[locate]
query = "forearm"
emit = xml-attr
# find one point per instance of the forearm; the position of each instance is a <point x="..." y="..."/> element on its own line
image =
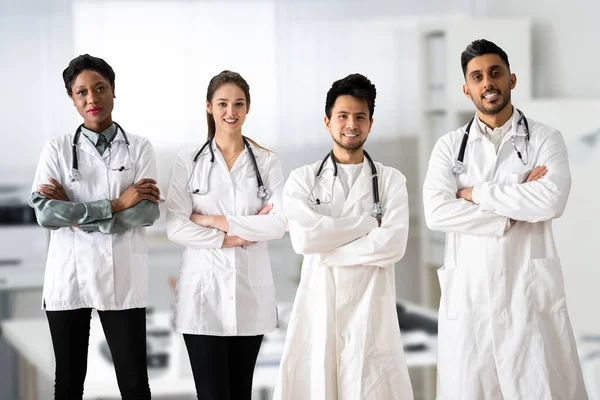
<point x="55" y="214"/>
<point x="326" y="234"/>
<point x="183" y="231"/>
<point x="531" y="202"/>
<point x="382" y="248"/>
<point x="256" y="228"/>
<point x="446" y="213"/>
<point x="143" y="213"/>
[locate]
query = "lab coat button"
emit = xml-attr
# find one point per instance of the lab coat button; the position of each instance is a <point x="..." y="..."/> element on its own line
<point x="107" y="254"/>
<point x="231" y="297"/>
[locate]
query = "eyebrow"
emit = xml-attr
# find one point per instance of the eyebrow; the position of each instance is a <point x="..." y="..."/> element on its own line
<point x="240" y="99"/>
<point x="347" y="112"/>
<point x="96" y="84"/>
<point x="478" y="71"/>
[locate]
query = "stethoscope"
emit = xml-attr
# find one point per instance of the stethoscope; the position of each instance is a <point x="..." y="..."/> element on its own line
<point x="262" y="193"/>
<point x="74" y="174"/>
<point x="459" y="166"/>
<point x="377" y="210"/>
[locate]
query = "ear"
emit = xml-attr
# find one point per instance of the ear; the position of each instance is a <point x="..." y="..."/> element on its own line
<point x="327" y="123"/>
<point x="513" y="81"/>
<point x="247" y="108"/>
<point x="208" y="107"/>
<point x="466" y="90"/>
<point x="113" y="90"/>
<point x="371" y="125"/>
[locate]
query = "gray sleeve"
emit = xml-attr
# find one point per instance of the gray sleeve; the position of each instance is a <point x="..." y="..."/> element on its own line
<point x="143" y="213"/>
<point x="55" y="214"/>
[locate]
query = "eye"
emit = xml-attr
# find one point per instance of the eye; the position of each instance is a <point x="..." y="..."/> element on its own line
<point x="343" y="116"/>
<point x="360" y="117"/>
<point x="222" y="104"/>
<point x="100" y="89"/>
<point x="82" y="92"/>
<point x="239" y="104"/>
<point x="476" y="77"/>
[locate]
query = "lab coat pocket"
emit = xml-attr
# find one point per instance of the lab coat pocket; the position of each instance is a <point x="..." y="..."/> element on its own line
<point x="449" y="286"/>
<point x="547" y="285"/>
<point x="259" y="264"/>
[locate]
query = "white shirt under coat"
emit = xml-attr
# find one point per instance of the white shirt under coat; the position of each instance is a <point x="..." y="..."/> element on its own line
<point x="225" y="291"/>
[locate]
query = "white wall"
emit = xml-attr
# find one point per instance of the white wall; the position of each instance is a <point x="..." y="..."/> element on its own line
<point x="565" y="51"/>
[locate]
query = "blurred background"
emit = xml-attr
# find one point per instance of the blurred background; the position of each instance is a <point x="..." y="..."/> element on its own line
<point x="290" y="51"/>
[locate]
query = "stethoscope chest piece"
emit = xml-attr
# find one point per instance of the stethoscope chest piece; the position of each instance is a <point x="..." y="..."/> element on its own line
<point x="75" y="175"/>
<point x="459" y="168"/>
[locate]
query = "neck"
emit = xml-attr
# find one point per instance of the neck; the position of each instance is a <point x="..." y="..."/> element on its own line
<point x="345" y="156"/>
<point x="229" y="143"/>
<point x="496" y="120"/>
<point x="98" y="127"/>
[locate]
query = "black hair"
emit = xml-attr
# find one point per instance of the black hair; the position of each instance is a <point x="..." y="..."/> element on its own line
<point x="83" y="62"/>
<point x="355" y="85"/>
<point x="478" y="48"/>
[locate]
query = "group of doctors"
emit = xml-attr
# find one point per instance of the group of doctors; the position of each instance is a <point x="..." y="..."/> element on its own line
<point x="493" y="186"/>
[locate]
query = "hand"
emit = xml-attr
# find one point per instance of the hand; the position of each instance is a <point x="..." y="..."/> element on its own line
<point x="54" y="191"/>
<point x="234" y="241"/>
<point x="144" y="189"/>
<point x="266" y="209"/>
<point x="466" y="194"/>
<point x="536" y="173"/>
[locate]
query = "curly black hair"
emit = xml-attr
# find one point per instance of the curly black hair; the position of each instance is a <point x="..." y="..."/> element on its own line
<point x="355" y="85"/>
<point x="83" y="62"/>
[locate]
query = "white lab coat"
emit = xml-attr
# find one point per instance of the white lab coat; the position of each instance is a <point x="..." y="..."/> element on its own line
<point x="96" y="270"/>
<point x="504" y="330"/>
<point x="343" y="339"/>
<point x="225" y="291"/>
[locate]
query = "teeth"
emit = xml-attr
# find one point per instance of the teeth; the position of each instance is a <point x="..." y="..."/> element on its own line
<point x="491" y="95"/>
<point x="230" y="120"/>
<point x="350" y="135"/>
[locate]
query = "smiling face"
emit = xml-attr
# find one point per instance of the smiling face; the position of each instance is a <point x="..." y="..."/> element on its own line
<point x="350" y="123"/>
<point x="228" y="108"/>
<point x="488" y="83"/>
<point x="93" y="96"/>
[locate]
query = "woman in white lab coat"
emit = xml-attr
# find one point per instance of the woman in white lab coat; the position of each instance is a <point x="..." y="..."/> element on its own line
<point x="95" y="190"/>
<point x="504" y="329"/>
<point x="224" y="204"/>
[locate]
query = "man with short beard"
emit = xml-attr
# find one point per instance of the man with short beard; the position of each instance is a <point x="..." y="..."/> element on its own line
<point x="494" y="186"/>
<point x="343" y="339"/>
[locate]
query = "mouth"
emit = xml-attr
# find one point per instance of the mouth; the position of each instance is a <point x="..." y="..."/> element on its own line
<point x="491" y="95"/>
<point x="350" y="135"/>
<point x="230" y="121"/>
<point x="94" y="110"/>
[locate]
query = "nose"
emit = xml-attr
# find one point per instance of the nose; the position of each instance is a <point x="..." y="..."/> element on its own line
<point x="351" y="123"/>
<point x="488" y="82"/>
<point x="92" y="97"/>
<point x="230" y="110"/>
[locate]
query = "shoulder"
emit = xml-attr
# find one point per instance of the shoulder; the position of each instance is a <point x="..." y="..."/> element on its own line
<point x="542" y="131"/>
<point x="390" y="175"/>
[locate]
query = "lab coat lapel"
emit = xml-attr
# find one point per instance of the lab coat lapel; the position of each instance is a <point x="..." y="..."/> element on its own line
<point x="87" y="146"/>
<point x="361" y="188"/>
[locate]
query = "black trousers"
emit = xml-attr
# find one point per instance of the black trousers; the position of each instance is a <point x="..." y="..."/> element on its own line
<point x="125" y="333"/>
<point x="223" y="366"/>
